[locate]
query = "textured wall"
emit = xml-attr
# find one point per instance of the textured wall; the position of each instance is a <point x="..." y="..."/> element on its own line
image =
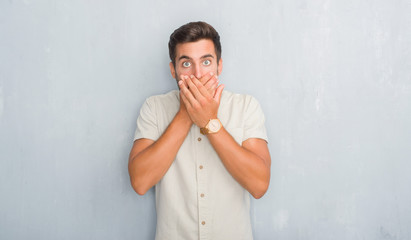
<point x="333" y="77"/>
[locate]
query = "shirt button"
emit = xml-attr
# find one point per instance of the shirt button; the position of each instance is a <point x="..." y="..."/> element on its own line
<point x="202" y="195"/>
<point x="203" y="222"/>
<point x="201" y="167"/>
<point x="199" y="139"/>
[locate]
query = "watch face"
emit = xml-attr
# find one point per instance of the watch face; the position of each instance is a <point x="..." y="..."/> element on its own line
<point x="214" y="125"/>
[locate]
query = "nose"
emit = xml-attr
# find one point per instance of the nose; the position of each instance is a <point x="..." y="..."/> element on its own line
<point x="197" y="71"/>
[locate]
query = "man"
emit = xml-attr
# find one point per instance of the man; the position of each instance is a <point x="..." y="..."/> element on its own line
<point x="203" y="148"/>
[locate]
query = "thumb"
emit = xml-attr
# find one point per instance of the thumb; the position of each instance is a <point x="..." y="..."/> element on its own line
<point x="218" y="92"/>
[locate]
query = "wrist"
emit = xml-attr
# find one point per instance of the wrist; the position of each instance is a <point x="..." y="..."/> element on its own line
<point x="183" y="116"/>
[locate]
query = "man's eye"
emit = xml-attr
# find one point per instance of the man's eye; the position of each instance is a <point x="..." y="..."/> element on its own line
<point x="186" y="64"/>
<point x="207" y="62"/>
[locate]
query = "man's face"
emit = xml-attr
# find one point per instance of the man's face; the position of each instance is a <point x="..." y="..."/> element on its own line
<point x="196" y="58"/>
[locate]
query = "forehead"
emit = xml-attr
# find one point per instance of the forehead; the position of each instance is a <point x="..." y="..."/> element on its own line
<point x="195" y="50"/>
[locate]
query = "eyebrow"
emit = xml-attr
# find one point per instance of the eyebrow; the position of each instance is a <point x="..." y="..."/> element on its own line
<point x="187" y="57"/>
<point x="208" y="56"/>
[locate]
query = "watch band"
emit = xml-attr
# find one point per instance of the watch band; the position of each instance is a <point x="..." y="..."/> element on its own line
<point x="204" y="131"/>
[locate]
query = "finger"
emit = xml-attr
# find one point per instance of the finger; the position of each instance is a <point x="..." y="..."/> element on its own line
<point x="182" y="78"/>
<point x="211" y="84"/>
<point x="204" y="79"/>
<point x="194" y="84"/>
<point x="188" y="98"/>
<point x="184" y="100"/>
<point x="213" y="87"/>
<point x="201" y="89"/>
<point x="218" y="93"/>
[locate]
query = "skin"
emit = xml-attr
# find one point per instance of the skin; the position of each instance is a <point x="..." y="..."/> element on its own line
<point x="196" y="71"/>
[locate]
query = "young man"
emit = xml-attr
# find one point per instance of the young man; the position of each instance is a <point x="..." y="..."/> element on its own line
<point x="203" y="148"/>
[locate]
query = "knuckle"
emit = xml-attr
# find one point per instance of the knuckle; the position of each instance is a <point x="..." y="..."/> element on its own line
<point x="198" y="84"/>
<point x="196" y="106"/>
<point x="203" y="102"/>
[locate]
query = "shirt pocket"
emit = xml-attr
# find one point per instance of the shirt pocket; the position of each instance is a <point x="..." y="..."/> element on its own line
<point x="237" y="134"/>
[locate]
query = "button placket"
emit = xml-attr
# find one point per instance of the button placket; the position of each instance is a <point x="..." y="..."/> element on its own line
<point x="202" y="205"/>
<point x="201" y="189"/>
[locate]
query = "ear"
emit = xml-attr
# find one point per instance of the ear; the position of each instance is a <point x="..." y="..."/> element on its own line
<point x="172" y="70"/>
<point x="220" y="67"/>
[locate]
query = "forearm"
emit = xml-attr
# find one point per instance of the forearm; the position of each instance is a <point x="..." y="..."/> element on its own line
<point x="148" y="166"/>
<point x="247" y="168"/>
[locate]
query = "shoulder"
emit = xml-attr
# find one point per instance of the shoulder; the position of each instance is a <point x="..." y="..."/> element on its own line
<point x="166" y="99"/>
<point x="238" y="99"/>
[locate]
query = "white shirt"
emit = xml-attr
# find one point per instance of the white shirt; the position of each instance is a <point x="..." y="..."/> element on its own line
<point x="198" y="198"/>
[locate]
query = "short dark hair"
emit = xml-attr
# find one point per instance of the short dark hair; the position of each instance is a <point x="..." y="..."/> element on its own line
<point x="193" y="32"/>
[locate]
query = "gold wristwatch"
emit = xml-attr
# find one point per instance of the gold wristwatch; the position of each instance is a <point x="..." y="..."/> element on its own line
<point x="213" y="126"/>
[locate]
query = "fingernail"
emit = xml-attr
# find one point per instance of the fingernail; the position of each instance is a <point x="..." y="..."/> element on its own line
<point x="192" y="76"/>
<point x="185" y="77"/>
<point x="211" y="73"/>
<point x="180" y="82"/>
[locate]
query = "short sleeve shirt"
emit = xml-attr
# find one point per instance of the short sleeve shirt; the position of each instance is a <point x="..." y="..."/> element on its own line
<point x="198" y="198"/>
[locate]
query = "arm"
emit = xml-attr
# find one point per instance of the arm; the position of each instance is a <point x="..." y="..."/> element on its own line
<point x="150" y="160"/>
<point x="249" y="163"/>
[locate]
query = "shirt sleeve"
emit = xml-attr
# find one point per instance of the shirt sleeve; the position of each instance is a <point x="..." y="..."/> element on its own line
<point x="147" y="126"/>
<point x="254" y="125"/>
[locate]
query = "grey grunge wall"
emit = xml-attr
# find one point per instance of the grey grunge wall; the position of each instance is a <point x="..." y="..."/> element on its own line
<point x="333" y="78"/>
